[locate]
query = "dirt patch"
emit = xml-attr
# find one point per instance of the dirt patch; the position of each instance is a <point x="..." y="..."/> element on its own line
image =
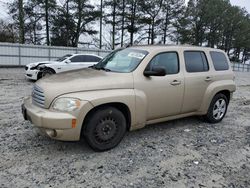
<point x="181" y="153"/>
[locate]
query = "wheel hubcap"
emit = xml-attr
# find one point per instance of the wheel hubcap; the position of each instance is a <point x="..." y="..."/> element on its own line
<point x="106" y="130"/>
<point x="219" y="109"/>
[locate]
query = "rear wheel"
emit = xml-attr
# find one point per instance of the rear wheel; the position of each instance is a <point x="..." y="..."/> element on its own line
<point x="105" y="128"/>
<point x="217" y="109"/>
<point x="47" y="72"/>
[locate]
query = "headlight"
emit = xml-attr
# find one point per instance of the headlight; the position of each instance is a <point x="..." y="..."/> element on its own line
<point x="66" y="104"/>
<point x="33" y="68"/>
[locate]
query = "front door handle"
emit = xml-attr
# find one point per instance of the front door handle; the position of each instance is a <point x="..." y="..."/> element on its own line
<point x="208" y="79"/>
<point x="175" y="83"/>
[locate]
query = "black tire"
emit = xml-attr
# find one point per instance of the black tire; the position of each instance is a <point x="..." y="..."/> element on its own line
<point x="105" y="128"/>
<point x="212" y="116"/>
<point x="39" y="75"/>
<point x="47" y="72"/>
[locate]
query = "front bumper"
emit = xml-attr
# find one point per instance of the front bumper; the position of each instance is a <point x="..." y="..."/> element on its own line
<point x="57" y="125"/>
<point x="31" y="74"/>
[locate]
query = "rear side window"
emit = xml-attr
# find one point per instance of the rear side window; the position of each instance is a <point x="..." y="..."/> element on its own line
<point x="196" y="61"/>
<point x="85" y="58"/>
<point x="90" y="58"/>
<point x="167" y="60"/>
<point x="220" y="61"/>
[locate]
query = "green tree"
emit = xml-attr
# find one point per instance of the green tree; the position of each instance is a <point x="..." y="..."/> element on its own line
<point x="215" y="13"/>
<point x="47" y="9"/>
<point x="7" y="32"/>
<point x="33" y="22"/>
<point x="151" y="12"/>
<point x="132" y="18"/>
<point x="241" y="39"/>
<point x="172" y="12"/>
<point x="16" y="10"/>
<point x="122" y="6"/>
<point x="111" y="18"/>
<point x="63" y="26"/>
<point x="84" y="14"/>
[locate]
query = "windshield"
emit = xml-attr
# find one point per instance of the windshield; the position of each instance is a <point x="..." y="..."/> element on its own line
<point x="122" y="60"/>
<point x="60" y="59"/>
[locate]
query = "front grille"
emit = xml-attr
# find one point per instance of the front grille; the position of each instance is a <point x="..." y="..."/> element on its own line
<point x="26" y="68"/>
<point x="38" y="97"/>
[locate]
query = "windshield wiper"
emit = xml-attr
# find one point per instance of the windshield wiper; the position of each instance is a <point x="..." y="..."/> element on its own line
<point x="94" y="67"/>
<point x="99" y="68"/>
<point x="105" y="69"/>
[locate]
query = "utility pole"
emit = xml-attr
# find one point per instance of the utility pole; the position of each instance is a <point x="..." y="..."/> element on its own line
<point x="47" y="21"/>
<point x="67" y="22"/>
<point x="101" y="25"/>
<point x="123" y="20"/>
<point x="113" y="24"/>
<point x="21" y="22"/>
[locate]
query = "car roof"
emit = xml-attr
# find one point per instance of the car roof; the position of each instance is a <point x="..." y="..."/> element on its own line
<point x="88" y="54"/>
<point x="172" y="47"/>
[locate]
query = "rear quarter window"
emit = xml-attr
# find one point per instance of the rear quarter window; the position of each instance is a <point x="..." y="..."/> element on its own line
<point x="220" y="61"/>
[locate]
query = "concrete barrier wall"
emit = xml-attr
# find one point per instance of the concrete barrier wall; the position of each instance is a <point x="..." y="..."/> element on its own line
<point x="22" y="54"/>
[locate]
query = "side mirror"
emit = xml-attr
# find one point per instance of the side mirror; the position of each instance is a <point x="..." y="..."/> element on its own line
<point x="156" y="71"/>
<point x="68" y="61"/>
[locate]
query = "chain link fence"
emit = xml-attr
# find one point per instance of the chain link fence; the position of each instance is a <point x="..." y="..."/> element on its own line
<point x="240" y="67"/>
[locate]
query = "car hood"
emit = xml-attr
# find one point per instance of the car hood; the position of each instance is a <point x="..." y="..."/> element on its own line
<point x="41" y="63"/>
<point x="83" y="80"/>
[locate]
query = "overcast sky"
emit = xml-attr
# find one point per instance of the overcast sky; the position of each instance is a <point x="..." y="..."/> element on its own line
<point x="4" y="14"/>
<point x="242" y="3"/>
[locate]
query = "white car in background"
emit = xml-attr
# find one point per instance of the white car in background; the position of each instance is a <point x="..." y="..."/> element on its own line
<point x="35" y="71"/>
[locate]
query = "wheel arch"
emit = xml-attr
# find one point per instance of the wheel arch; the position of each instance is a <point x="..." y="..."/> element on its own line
<point x="118" y="105"/>
<point x="50" y="68"/>
<point x="224" y="87"/>
<point x="39" y="75"/>
<point x="226" y="93"/>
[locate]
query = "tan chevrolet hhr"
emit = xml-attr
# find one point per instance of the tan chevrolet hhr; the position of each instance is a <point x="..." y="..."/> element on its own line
<point x="131" y="88"/>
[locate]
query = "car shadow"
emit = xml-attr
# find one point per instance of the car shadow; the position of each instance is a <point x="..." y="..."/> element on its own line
<point x="80" y="147"/>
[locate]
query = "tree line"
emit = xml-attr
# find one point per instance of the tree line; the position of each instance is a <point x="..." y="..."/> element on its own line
<point x="109" y="24"/>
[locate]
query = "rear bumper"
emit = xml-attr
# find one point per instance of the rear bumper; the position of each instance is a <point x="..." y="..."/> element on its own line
<point x="57" y="125"/>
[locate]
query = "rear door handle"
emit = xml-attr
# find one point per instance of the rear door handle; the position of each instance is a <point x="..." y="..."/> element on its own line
<point x="175" y="83"/>
<point x="208" y="79"/>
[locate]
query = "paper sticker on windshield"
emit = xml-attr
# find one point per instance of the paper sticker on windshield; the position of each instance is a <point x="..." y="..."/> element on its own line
<point x="136" y="55"/>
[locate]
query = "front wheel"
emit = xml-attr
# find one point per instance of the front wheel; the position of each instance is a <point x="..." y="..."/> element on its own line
<point x="105" y="128"/>
<point x="217" y="109"/>
<point x="47" y="72"/>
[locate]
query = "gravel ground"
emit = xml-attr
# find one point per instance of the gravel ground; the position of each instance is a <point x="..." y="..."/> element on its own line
<point x="180" y="153"/>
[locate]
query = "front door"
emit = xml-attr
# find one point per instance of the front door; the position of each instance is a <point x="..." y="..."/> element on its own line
<point x="164" y="94"/>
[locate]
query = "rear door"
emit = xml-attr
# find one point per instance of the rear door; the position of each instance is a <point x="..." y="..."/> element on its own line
<point x="81" y="61"/>
<point x="88" y="60"/>
<point x="75" y="62"/>
<point x="197" y="79"/>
